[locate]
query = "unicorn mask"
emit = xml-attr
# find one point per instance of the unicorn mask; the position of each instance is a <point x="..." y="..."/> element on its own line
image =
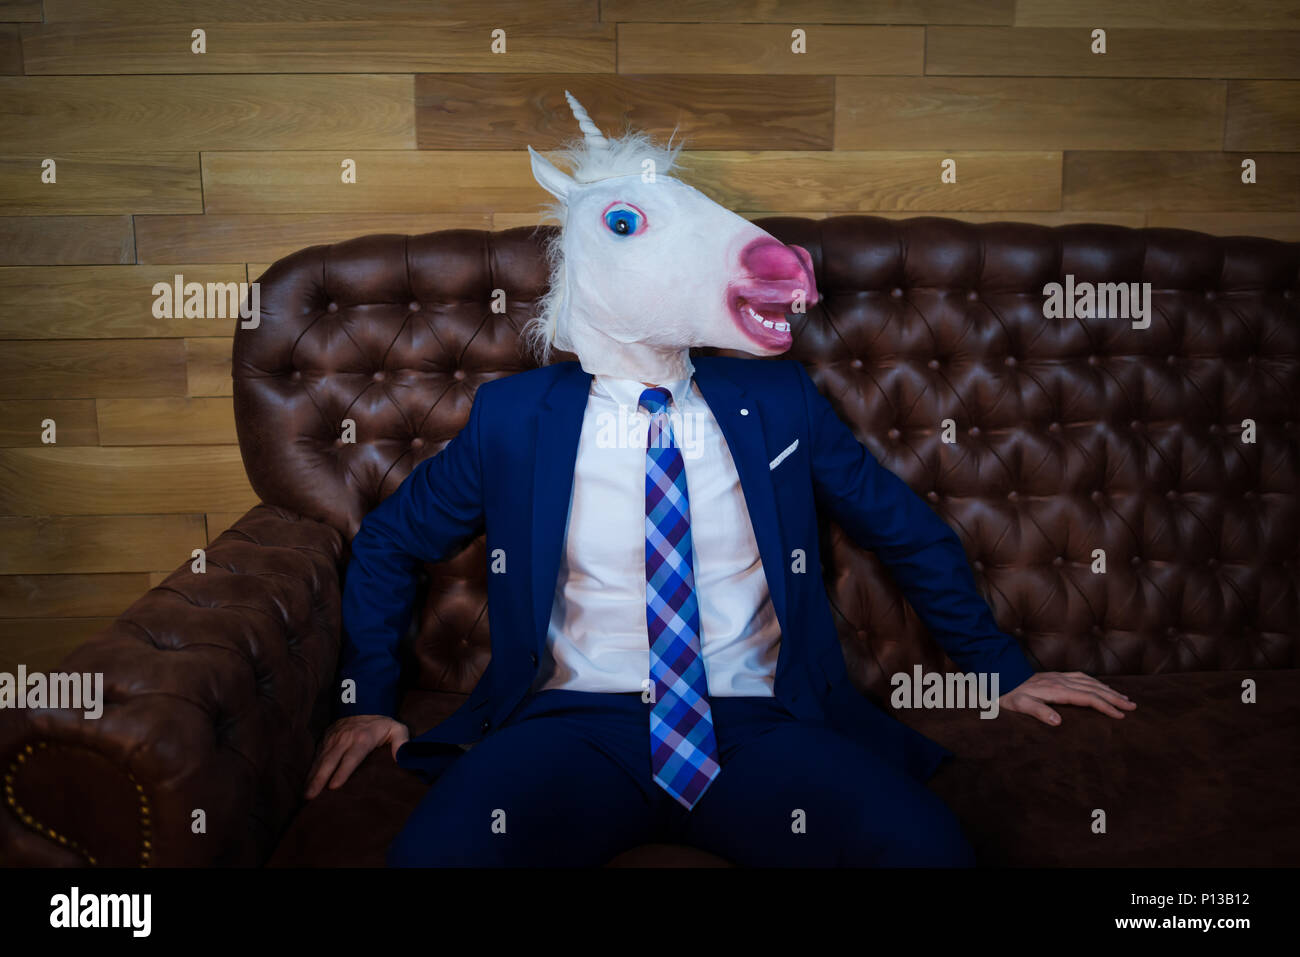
<point x="645" y="267"/>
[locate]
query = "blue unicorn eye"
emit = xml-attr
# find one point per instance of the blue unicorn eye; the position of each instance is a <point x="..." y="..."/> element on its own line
<point x="623" y="221"/>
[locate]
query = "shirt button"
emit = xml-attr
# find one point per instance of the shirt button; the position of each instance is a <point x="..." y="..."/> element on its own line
<point x="744" y="412"/>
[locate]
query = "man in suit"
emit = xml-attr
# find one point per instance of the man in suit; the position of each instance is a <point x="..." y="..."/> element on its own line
<point x="664" y="663"/>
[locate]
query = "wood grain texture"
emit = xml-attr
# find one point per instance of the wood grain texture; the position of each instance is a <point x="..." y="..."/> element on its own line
<point x="1263" y="115"/>
<point x="74" y="422"/>
<point x="862" y="180"/>
<point x="1284" y="226"/>
<point x="95" y="544"/>
<point x="317" y="47"/>
<point x="41" y="643"/>
<point x="99" y="183"/>
<point x="72" y="596"/>
<point x="512" y="111"/>
<point x="166" y="422"/>
<point x="810" y="11"/>
<point x="207" y="365"/>
<point x="977" y="113"/>
<point x="1043" y="52"/>
<point x="12" y="11"/>
<point x="66" y="240"/>
<point x="280" y="11"/>
<point x="212" y="237"/>
<point x="11" y="49"/>
<point x="1161" y="14"/>
<point x="1182" y="181"/>
<point x="388" y="181"/>
<point x="122" y="481"/>
<point x="761" y="49"/>
<point x="114" y="302"/>
<point x="166" y="113"/>
<point x="87" y="368"/>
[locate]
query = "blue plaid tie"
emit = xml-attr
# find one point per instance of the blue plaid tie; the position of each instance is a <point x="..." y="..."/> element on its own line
<point x="683" y="749"/>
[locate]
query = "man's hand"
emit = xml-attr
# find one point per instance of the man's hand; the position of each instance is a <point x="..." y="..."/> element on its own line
<point x="1061" y="687"/>
<point x="347" y="742"/>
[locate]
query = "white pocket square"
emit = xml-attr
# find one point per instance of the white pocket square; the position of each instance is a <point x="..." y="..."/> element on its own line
<point x="782" y="457"/>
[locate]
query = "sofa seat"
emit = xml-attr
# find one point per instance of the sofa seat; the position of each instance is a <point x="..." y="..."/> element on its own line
<point x="1192" y="759"/>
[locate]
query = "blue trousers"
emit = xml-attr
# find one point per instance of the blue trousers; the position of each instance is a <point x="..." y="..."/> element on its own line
<point x="567" y="782"/>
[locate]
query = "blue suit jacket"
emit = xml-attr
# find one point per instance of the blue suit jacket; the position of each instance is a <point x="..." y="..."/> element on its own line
<point x="509" y="472"/>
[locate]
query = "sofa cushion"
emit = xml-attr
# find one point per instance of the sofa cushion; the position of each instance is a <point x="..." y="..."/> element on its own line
<point x="1192" y="777"/>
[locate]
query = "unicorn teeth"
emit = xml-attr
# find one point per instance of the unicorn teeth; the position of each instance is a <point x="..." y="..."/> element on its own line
<point x="778" y="326"/>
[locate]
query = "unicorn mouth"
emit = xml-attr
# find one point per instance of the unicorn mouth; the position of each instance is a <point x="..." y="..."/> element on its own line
<point x="763" y="322"/>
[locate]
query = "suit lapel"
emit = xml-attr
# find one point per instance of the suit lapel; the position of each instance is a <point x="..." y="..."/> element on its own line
<point x="743" y="431"/>
<point x="556" y="428"/>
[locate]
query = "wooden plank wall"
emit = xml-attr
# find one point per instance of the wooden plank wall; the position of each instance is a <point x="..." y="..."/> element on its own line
<point x="214" y="164"/>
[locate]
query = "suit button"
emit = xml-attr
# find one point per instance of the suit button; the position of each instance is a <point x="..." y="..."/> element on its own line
<point x="485" y="725"/>
<point x="532" y="656"/>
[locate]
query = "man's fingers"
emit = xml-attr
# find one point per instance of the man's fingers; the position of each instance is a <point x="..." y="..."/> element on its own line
<point x="352" y="758"/>
<point x="1040" y="710"/>
<point x="1088" y="699"/>
<point x="1093" y="686"/>
<point x="399" y="736"/>
<point x="324" y="766"/>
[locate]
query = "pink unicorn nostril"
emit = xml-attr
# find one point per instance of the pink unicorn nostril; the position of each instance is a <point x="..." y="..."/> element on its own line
<point x="766" y="258"/>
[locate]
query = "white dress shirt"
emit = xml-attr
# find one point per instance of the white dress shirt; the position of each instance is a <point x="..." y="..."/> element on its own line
<point x="598" y="638"/>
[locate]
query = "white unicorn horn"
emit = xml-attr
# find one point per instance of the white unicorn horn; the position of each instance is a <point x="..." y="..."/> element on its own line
<point x="595" y="139"/>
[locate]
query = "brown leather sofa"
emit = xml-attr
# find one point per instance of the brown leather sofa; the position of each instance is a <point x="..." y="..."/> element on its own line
<point x="1071" y="435"/>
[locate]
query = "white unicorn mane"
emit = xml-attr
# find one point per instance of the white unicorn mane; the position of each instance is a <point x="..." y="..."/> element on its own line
<point x="589" y="160"/>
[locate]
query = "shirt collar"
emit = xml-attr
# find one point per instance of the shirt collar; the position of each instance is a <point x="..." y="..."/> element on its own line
<point x="627" y="392"/>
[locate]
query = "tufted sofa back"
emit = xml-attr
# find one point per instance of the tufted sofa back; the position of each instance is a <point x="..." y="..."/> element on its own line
<point x="1128" y="497"/>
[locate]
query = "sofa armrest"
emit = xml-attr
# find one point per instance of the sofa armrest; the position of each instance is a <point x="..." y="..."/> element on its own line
<point x="216" y="687"/>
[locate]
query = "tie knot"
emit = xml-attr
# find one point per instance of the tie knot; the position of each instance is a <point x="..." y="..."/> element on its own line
<point x="655" y="399"/>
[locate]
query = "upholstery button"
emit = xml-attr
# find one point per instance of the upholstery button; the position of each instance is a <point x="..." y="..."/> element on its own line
<point x="1135" y="560"/>
<point x="856" y="363"/>
<point x="1171" y="494"/>
<point x="414" y="306"/>
<point x="979" y="565"/>
<point x="974" y="430"/>
<point x="1095" y="496"/>
<point x="1096" y="629"/>
<point x="1170" y="359"/>
<point x="1249" y="493"/>
<point x="932" y="496"/>
<point x="296" y="375"/>
<point x="1215" y="428"/>
<point x="378" y="376"/>
<point x="1171" y="631"/>
<point x="896" y="292"/>
<point x="1212" y="562"/>
<point x="972" y="296"/>
<point x="417" y="443"/>
<point x="1092" y="360"/>
<point x="1211" y="294"/>
<point x="1019" y="632"/>
<point x="1010" y="360"/>
<point x="332" y="307"/>
<point x="894" y="433"/>
<point x="1054" y="427"/>
<point x="1250" y="360"/>
<point x="1135" y="425"/>
<point x="458" y="375"/>
<point x="1013" y="495"/>
<point x="1058" y="561"/>
<point x="933" y="363"/>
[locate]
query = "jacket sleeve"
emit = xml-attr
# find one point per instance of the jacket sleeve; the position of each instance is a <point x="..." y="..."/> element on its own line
<point x="880" y="512"/>
<point x="436" y="510"/>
